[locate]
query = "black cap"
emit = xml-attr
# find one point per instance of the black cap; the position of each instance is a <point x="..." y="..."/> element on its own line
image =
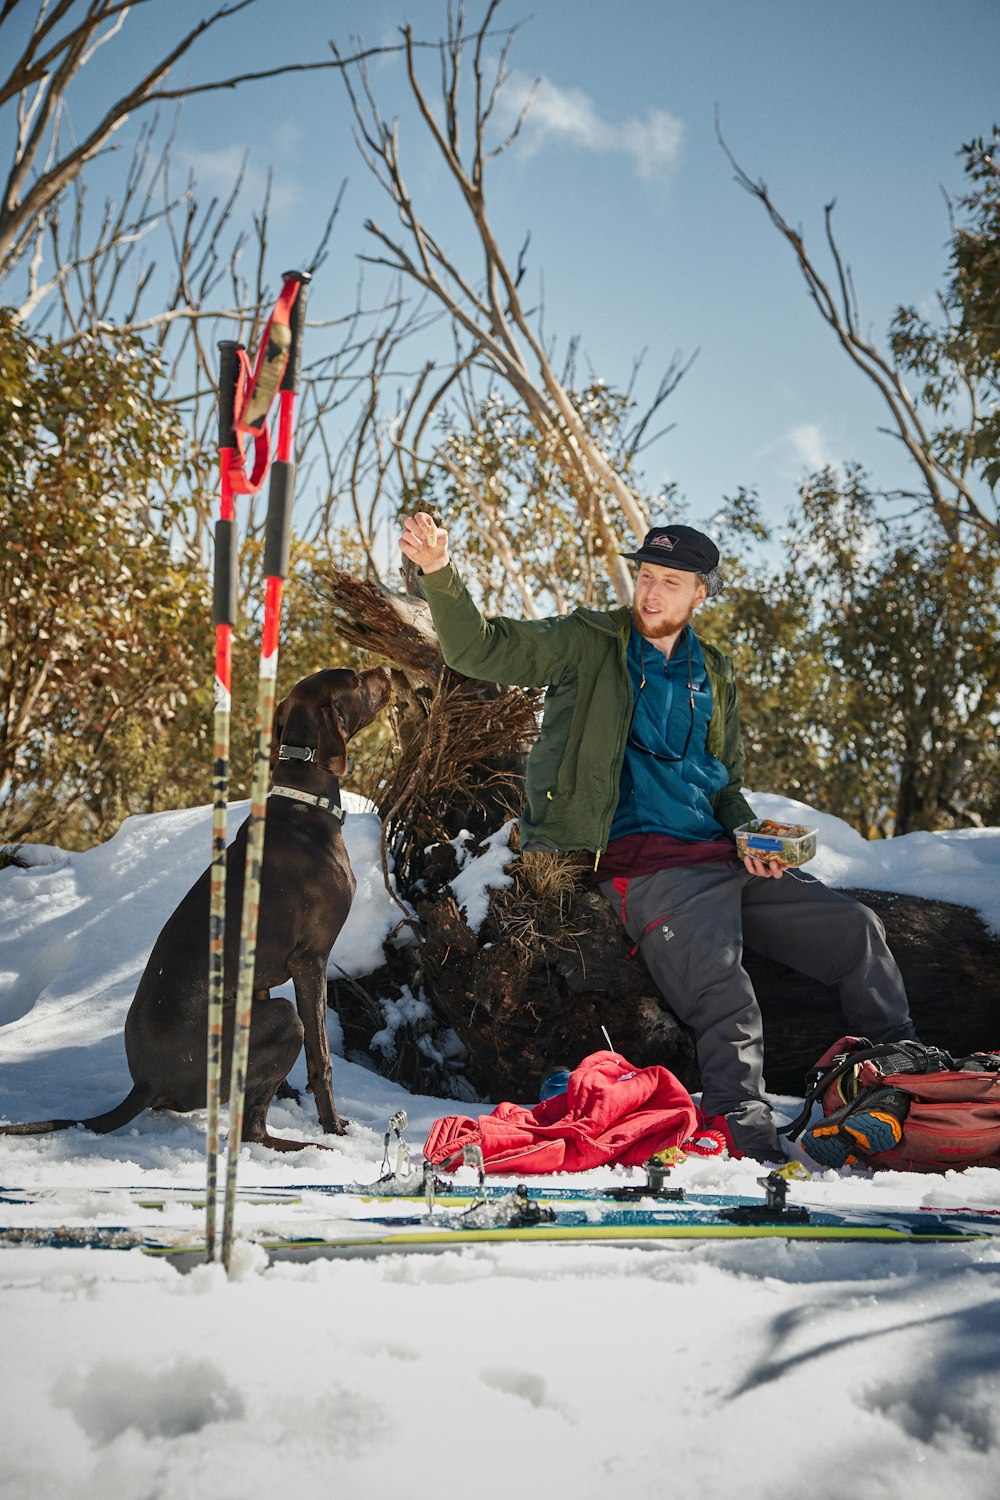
<point x="678" y="547"/>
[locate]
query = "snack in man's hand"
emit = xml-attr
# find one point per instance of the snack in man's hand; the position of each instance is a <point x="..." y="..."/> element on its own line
<point x="788" y="843"/>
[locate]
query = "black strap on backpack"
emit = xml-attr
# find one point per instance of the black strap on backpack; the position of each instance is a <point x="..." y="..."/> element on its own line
<point x="890" y="1057"/>
<point x="979" y="1062"/>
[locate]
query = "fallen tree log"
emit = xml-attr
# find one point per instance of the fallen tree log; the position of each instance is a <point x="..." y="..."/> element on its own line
<point x="545" y="977"/>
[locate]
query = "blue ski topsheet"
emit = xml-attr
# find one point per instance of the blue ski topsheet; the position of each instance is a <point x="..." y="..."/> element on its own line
<point x="560" y="1212"/>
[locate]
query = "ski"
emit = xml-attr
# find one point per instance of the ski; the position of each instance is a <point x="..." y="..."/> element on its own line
<point x="367" y="1193"/>
<point x="622" y="1235"/>
<point x="518" y="1217"/>
<point x="360" y="1237"/>
<point x="187" y="1250"/>
<point x="146" y="1198"/>
<point x="628" y="1221"/>
<point x="91" y="1237"/>
<point x="408" y="1191"/>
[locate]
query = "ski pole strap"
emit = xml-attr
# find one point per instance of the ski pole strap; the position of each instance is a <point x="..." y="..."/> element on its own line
<point x="233" y="459"/>
<point x="278" y="530"/>
<point x="272" y="360"/>
<point x="246" y="394"/>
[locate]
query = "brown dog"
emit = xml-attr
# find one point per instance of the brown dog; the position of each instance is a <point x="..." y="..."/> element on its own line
<point x="307" y="887"/>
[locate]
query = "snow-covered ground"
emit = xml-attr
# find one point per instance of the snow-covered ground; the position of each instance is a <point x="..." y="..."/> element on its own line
<point x="757" y="1368"/>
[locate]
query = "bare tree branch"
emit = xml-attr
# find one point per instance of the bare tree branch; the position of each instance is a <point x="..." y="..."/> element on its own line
<point x="948" y="492"/>
<point x="40" y="80"/>
<point x="494" y="316"/>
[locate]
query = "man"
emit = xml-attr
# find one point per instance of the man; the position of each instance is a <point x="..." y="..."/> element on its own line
<point x="640" y="759"/>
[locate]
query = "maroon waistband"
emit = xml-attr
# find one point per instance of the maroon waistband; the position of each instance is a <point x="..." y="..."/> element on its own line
<point x="645" y="853"/>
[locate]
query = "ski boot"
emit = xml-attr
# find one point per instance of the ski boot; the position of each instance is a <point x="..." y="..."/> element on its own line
<point x="869" y="1126"/>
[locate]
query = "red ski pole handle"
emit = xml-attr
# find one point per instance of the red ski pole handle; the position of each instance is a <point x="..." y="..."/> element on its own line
<point x="277" y="533"/>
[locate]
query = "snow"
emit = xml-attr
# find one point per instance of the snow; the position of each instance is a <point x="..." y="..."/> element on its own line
<point x="758" y="1368"/>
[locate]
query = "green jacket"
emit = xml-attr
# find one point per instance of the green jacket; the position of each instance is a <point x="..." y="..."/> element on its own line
<point x="571" y="781"/>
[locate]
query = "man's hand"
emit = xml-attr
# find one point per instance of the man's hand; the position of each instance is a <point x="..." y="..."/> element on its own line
<point x="424" y="542"/>
<point x="769" y="868"/>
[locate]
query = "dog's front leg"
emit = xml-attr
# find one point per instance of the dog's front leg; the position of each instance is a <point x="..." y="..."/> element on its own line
<point x="309" y="977"/>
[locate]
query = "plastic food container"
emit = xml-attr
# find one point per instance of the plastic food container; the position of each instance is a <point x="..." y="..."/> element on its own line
<point x="788" y="843"/>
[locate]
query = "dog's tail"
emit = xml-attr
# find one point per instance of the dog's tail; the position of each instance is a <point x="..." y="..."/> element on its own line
<point x="139" y="1099"/>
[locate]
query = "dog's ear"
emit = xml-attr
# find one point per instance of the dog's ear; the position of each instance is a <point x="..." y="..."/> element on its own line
<point x="332" y="753"/>
<point x="277" y="730"/>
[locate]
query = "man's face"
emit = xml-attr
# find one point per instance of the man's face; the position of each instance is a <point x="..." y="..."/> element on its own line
<point x="665" y="599"/>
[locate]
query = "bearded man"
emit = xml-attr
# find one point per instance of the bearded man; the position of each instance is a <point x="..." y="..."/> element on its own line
<point x="640" y="760"/>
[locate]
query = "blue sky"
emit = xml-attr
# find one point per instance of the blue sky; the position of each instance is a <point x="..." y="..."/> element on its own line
<point x="642" y="236"/>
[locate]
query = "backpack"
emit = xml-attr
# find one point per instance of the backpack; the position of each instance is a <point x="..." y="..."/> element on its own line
<point x="902" y="1105"/>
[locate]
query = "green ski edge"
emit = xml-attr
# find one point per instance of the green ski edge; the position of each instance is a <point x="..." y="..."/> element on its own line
<point x="639" y="1236"/>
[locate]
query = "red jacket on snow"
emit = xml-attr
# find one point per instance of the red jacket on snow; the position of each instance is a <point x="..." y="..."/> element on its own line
<point x="610" y="1112"/>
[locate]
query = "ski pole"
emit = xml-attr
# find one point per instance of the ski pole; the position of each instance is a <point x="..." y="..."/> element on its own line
<point x="224" y="605"/>
<point x="276" y="546"/>
<point x="235" y="377"/>
<point x="245" y="397"/>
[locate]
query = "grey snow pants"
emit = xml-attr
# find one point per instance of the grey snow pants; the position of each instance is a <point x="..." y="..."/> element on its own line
<point x="692" y="923"/>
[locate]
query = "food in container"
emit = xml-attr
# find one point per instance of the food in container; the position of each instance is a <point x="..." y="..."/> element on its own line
<point x="788" y="843"/>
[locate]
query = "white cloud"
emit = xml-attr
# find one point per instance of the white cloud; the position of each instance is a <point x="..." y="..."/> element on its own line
<point x="218" y="170"/>
<point x="653" y="141"/>
<point x="808" y="445"/>
<point x="798" y="451"/>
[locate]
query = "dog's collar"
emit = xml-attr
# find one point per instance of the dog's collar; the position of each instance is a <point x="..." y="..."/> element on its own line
<point x="297" y="752"/>
<point x="326" y="803"/>
<point x="307" y="753"/>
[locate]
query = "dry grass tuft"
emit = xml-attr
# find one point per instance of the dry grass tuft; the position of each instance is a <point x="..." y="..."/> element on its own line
<point x="468" y="752"/>
<point x="535" y="912"/>
<point x="553" y="877"/>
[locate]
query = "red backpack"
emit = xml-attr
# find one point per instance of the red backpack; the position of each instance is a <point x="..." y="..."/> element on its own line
<point x="933" y="1111"/>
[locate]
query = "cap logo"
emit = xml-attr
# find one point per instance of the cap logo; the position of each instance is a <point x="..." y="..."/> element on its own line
<point x="669" y="542"/>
